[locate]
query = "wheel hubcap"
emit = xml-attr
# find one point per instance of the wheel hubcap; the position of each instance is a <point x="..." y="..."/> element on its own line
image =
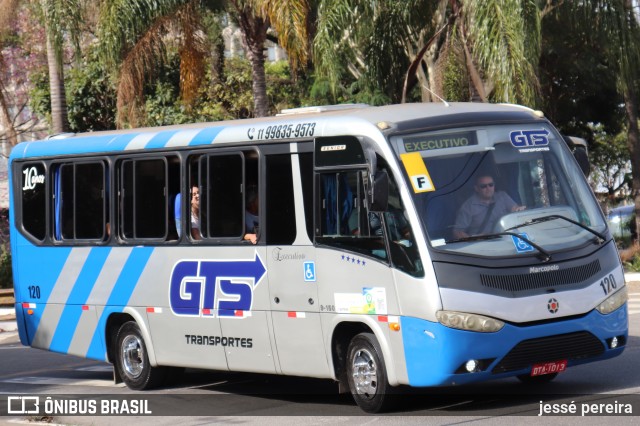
<point x="365" y="377"/>
<point x="132" y="356"/>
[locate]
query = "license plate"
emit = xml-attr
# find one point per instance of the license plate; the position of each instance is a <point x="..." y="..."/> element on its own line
<point x="549" y="368"/>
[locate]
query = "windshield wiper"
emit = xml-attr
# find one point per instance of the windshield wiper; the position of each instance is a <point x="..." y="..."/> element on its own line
<point x="545" y="256"/>
<point x="601" y="238"/>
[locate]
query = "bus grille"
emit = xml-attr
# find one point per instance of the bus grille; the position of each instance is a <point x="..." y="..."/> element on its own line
<point x="538" y="280"/>
<point x="570" y="346"/>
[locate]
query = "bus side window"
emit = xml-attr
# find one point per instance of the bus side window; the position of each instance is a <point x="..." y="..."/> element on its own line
<point x="221" y="205"/>
<point x="34" y="199"/>
<point x="226" y="181"/>
<point x="80" y="204"/>
<point x="280" y="205"/>
<point x="144" y="200"/>
<point x="337" y="204"/>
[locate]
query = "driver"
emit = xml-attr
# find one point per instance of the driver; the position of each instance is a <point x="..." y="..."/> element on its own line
<point x="483" y="209"/>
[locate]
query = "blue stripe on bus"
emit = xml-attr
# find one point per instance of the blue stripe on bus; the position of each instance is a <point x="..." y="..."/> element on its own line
<point x="51" y="261"/>
<point x="78" y="145"/>
<point x="161" y="139"/>
<point x="206" y="136"/>
<point x="70" y="146"/>
<point x="120" y="295"/>
<point x="97" y="144"/>
<point x="78" y="296"/>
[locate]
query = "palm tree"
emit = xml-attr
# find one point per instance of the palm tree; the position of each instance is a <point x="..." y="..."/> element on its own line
<point x="61" y="18"/>
<point x="133" y="41"/>
<point x="289" y="19"/>
<point x="372" y="40"/>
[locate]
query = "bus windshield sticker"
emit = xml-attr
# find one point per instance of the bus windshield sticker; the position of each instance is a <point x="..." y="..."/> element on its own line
<point x="521" y="245"/>
<point x="530" y="140"/>
<point x="418" y="173"/>
<point x="441" y="141"/>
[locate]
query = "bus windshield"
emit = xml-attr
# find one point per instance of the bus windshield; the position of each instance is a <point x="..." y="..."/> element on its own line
<point x="499" y="190"/>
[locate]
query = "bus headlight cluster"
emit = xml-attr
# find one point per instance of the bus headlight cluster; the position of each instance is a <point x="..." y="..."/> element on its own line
<point x="613" y="302"/>
<point x="471" y="322"/>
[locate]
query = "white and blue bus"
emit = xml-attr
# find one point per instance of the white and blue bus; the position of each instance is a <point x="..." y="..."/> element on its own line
<point x="131" y="247"/>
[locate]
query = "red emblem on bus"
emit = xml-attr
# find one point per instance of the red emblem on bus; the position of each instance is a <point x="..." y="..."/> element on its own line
<point x="553" y="305"/>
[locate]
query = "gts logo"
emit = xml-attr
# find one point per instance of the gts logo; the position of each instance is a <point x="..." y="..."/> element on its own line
<point x="199" y="287"/>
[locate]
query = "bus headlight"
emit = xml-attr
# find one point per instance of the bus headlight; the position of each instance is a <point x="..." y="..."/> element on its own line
<point x="471" y="322"/>
<point x="613" y="302"/>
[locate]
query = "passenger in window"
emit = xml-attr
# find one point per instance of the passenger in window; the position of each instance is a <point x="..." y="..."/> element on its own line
<point x="195" y="213"/>
<point x="479" y="214"/>
<point x="251" y="218"/>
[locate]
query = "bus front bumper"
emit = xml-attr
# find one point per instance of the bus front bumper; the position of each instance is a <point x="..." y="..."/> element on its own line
<point x="437" y="355"/>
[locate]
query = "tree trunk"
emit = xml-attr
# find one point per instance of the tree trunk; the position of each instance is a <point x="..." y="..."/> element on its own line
<point x="260" y="101"/>
<point x="59" y="119"/>
<point x="254" y="31"/>
<point x="10" y="137"/>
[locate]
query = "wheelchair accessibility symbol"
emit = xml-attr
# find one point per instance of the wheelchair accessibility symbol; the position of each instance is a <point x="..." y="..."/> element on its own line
<point x="309" y="271"/>
<point x="521" y="245"/>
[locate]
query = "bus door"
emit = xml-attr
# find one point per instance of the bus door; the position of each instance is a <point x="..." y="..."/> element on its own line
<point x="293" y="286"/>
<point x="353" y="257"/>
<point x="362" y="236"/>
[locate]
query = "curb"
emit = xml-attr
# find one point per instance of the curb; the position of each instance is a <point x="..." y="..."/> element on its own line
<point x="9" y="336"/>
<point x="632" y="276"/>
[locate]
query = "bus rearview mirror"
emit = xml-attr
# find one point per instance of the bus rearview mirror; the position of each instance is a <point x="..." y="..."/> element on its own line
<point x="379" y="192"/>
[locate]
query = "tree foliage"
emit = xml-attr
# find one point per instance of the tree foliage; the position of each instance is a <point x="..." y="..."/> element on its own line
<point x="613" y="172"/>
<point x="578" y="80"/>
<point x="133" y="43"/>
<point x="91" y="97"/>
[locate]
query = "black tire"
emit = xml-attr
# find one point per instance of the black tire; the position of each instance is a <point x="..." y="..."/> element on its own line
<point x="132" y="361"/>
<point x="367" y="374"/>
<point x="536" y="380"/>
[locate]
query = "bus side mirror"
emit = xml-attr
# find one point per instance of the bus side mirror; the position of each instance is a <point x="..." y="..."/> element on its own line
<point x="378" y="193"/>
<point x="582" y="157"/>
<point x="578" y="147"/>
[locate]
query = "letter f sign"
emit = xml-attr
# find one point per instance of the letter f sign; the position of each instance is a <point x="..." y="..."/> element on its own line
<point x="422" y="183"/>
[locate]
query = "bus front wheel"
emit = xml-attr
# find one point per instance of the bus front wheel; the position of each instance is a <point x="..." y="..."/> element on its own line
<point x="132" y="361"/>
<point x="367" y="374"/>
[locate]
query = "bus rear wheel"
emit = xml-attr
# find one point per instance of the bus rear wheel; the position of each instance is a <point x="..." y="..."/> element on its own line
<point x="367" y="374"/>
<point x="132" y="361"/>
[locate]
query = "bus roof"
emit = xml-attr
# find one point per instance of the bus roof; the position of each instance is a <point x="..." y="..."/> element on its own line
<point x="247" y="130"/>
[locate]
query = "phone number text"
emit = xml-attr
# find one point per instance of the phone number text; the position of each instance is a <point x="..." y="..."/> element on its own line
<point x="282" y="131"/>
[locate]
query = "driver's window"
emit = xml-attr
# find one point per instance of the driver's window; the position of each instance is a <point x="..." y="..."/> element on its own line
<point x="402" y="244"/>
